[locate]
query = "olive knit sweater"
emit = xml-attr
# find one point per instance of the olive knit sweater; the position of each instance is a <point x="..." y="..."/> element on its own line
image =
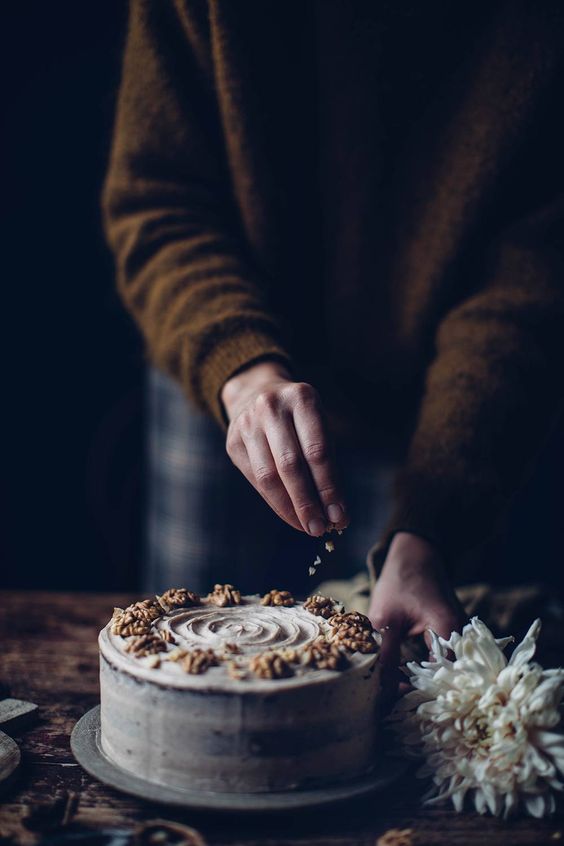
<point x="371" y="191"/>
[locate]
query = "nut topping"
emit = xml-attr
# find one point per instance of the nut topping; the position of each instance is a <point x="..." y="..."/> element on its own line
<point x="125" y="623"/>
<point x="223" y="595"/>
<point x="321" y="606"/>
<point x="147" y="644"/>
<point x="177" y="598"/>
<point x="353" y="618"/>
<point x="278" y="597"/>
<point x="198" y="661"/>
<point x="270" y="665"/>
<point x="324" y="656"/>
<point x="136" y="619"/>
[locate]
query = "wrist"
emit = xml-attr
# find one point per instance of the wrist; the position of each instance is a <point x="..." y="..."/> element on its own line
<point x="250" y="380"/>
<point x="409" y="554"/>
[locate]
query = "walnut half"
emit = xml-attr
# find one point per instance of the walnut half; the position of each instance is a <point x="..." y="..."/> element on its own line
<point x="278" y="597"/>
<point x="321" y="606"/>
<point x="270" y="665"/>
<point x="223" y="595"/>
<point x="177" y="598"/>
<point x="147" y="644"/>
<point x="198" y="661"/>
<point x="324" y="655"/>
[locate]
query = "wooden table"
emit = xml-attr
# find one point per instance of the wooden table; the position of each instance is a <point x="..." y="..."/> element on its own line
<point x="49" y="655"/>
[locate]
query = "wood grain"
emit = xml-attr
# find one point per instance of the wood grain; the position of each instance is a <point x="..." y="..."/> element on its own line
<point x="50" y="656"/>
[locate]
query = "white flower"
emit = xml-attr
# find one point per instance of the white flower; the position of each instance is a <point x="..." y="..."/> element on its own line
<point x="488" y="728"/>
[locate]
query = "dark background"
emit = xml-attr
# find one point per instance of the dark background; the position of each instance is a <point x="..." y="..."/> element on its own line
<point x="71" y="477"/>
<point x="71" y="481"/>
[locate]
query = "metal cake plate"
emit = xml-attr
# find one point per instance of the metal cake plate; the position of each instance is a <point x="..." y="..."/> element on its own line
<point x="86" y="749"/>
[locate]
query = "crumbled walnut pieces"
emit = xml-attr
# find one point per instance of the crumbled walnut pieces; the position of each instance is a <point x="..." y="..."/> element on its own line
<point x="353" y="618"/>
<point x="324" y="655"/>
<point x="270" y="665"/>
<point x="355" y="639"/>
<point x="167" y="636"/>
<point x="396" y="837"/>
<point x="177" y="598"/>
<point x="198" y="661"/>
<point x="136" y="619"/>
<point x="232" y="648"/>
<point x="278" y="597"/>
<point x="176" y="654"/>
<point x="235" y="671"/>
<point x="125" y="624"/>
<point x="145" y="609"/>
<point x="354" y="631"/>
<point x="147" y="644"/>
<point x="321" y="606"/>
<point x="223" y="595"/>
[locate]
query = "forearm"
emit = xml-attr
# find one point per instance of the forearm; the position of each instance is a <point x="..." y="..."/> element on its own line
<point x="490" y="395"/>
<point x="170" y="220"/>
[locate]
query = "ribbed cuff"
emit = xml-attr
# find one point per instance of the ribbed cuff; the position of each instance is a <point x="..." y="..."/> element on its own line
<point x="228" y="357"/>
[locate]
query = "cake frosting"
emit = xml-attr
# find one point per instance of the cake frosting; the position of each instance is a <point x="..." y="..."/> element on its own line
<point x="252" y="695"/>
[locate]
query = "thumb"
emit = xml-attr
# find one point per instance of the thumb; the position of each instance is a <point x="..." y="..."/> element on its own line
<point x="443" y="623"/>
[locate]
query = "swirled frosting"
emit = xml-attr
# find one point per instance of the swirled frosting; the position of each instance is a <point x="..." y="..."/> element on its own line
<point x="251" y="628"/>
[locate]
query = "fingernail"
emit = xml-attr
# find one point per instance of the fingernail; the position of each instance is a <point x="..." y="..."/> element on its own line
<point x="316" y="527"/>
<point x="335" y="513"/>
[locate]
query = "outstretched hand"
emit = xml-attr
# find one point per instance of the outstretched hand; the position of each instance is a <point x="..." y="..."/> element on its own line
<point x="278" y="439"/>
<point x="413" y="594"/>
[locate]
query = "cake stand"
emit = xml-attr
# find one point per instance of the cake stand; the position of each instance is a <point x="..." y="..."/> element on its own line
<point x="86" y="748"/>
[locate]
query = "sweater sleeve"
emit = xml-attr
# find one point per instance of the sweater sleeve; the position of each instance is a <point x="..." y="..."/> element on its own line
<point x="491" y="392"/>
<point x="169" y="215"/>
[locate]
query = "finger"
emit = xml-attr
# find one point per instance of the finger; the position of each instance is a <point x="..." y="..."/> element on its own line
<point x="315" y="446"/>
<point x="443" y="622"/>
<point x="264" y="477"/>
<point x="293" y="471"/>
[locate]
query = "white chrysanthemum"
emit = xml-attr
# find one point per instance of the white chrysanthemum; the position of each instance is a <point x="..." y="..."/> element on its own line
<point x="488" y="728"/>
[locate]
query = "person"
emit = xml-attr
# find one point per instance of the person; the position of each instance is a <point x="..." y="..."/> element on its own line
<point x="341" y="224"/>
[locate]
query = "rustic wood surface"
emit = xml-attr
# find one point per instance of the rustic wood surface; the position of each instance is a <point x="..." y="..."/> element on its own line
<point x="49" y="656"/>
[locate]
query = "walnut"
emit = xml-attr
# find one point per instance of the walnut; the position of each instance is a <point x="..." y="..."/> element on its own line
<point x="136" y="619"/>
<point x="324" y="655"/>
<point x="355" y="639"/>
<point x="198" y="661"/>
<point x="177" y="654"/>
<point x="270" y="665"/>
<point x="396" y="837"/>
<point x="146" y="609"/>
<point x="278" y="597"/>
<point x="167" y="636"/>
<point x="177" y="598"/>
<point x="147" y="644"/>
<point x="223" y="595"/>
<point x="353" y="631"/>
<point x="321" y="606"/>
<point x="353" y="618"/>
<point x="235" y="671"/>
<point x="232" y="648"/>
<point x="125" y="623"/>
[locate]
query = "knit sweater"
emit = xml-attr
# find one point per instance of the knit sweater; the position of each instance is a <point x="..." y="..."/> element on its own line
<point x="369" y="191"/>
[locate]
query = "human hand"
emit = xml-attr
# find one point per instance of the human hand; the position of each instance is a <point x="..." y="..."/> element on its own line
<point x="412" y="594"/>
<point x="278" y="439"/>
